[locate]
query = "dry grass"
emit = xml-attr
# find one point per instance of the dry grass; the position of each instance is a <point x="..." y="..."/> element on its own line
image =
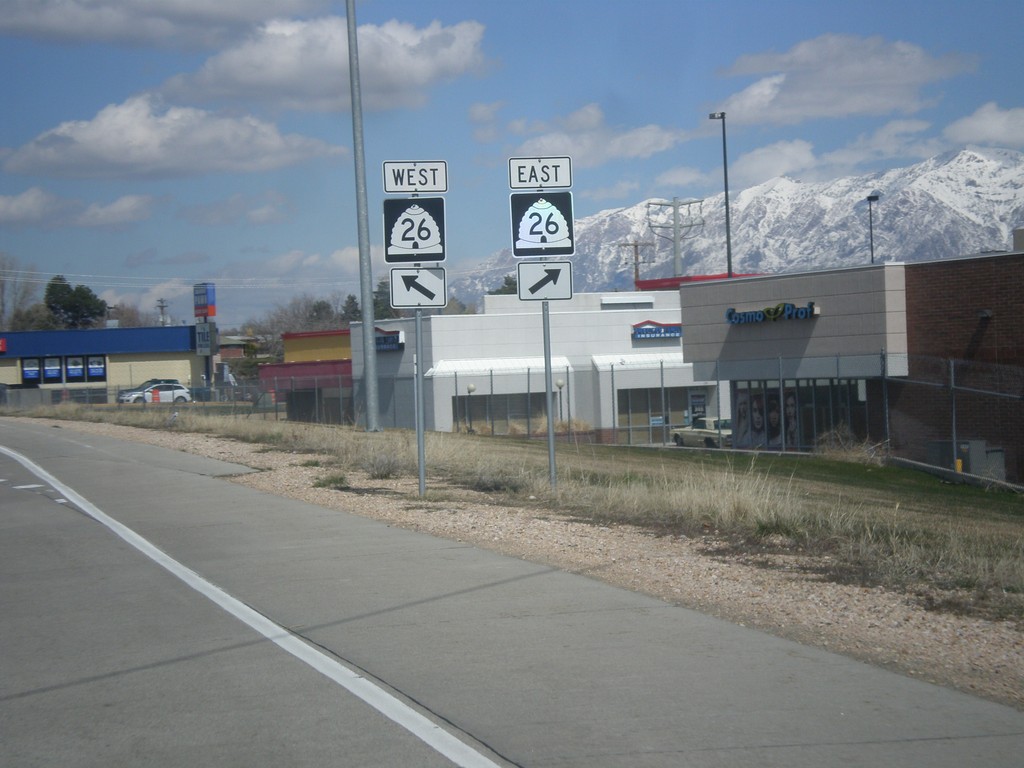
<point x="851" y="520"/>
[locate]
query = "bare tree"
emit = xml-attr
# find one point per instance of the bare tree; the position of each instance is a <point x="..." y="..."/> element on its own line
<point x="130" y="316"/>
<point x="302" y="313"/>
<point x="18" y="291"/>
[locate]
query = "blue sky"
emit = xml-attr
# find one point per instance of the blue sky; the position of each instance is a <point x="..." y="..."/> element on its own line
<point x="147" y="145"/>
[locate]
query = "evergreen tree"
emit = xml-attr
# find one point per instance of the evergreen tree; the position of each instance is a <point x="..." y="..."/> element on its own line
<point x="76" y="307"/>
<point x="509" y="286"/>
<point x="382" y="309"/>
<point x="350" y="311"/>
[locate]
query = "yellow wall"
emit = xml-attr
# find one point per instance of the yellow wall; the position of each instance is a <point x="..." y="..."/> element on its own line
<point x="10" y="372"/>
<point x="306" y="348"/>
<point x="125" y="371"/>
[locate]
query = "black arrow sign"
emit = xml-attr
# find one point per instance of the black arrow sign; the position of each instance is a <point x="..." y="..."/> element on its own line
<point x="550" y="276"/>
<point x="412" y="285"/>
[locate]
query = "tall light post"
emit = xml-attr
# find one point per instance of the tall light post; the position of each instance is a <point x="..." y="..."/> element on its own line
<point x="871" y="225"/>
<point x="725" y="172"/>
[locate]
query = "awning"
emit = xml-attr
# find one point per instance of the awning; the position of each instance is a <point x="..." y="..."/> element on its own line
<point x="645" y="362"/>
<point x="483" y="366"/>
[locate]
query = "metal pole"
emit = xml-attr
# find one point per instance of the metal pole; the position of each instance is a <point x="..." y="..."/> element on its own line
<point x="421" y="453"/>
<point x="782" y="407"/>
<point x="885" y="399"/>
<point x="952" y="401"/>
<point x="871" y="230"/>
<point x="615" y="414"/>
<point x="871" y="225"/>
<point x="568" y="406"/>
<point x="664" y="416"/>
<point x="677" y="256"/>
<point x="725" y="173"/>
<point x="548" y="394"/>
<point x="363" y="222"/>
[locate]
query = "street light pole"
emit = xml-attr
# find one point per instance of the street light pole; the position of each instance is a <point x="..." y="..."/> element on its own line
<point x="871" y="225"/>
<point x="725" y="173"/>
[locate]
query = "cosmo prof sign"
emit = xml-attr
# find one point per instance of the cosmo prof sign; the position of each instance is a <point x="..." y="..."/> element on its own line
<point x="781" y="311"/>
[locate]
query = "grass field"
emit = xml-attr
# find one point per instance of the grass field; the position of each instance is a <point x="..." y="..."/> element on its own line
<point x="851" y="518"/>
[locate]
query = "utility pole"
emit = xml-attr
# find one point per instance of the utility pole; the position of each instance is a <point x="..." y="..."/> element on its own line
<point x="161" y="304"/>
<point x="686" y="222"/>
<point x="635" y="245"/>
<point x="369" y="335"/>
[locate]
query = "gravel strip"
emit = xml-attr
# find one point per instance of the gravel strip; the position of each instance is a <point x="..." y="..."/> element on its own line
<point x="880" y="627"/>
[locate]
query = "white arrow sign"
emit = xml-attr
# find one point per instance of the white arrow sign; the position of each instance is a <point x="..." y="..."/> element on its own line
<point x="418" y="287"/>
<point x="544" y="280"/>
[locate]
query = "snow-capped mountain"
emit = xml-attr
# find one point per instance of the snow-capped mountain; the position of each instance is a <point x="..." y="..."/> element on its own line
<point x="954" y="204"/>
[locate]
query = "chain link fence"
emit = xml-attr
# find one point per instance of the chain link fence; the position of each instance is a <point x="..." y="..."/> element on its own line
<point x="959" y="417"/>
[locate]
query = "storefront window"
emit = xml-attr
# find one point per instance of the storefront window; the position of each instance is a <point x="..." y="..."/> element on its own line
<point x="31" y="370"/>
<point x="647" y="415"/>
<point x="53" y="370"/>
<point x="795" y="414"/>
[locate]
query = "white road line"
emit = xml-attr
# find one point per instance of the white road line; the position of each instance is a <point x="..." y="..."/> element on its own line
<point x="397" y="711"/>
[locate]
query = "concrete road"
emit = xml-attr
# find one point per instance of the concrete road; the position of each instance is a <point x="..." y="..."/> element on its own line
<point x="153" y="613"/>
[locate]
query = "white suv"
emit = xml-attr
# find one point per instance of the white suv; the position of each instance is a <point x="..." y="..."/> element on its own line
<point x="165" y="392"/>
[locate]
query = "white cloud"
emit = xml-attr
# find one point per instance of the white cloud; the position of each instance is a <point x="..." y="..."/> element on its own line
<point x="266" y="208"/>
<point x="32" y="208"/>
<point x="125" y="210"/>
<point x="346" y="260"/>
<point x="485" y="119"/>
<point x="615" y="192"/>
<point x="780" y="159"/>
<point x="834" y="76"/>
<point x="485" y="113"/>
<point x="989" y="125"/>
<point x="681" y="177"/>
<point x="140" y="139"/>
<point x="585" y="136"/>
<point x="172" y="23"/>
<point x="36" y="207"/>
<point x="896" y="139"/>
<point x="303" y="65"/>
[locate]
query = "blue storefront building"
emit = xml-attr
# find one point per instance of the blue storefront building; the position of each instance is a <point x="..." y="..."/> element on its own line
<point x="93" y="365"/>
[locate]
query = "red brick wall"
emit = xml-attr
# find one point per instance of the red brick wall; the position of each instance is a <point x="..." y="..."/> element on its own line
<point x="943" y="302"/>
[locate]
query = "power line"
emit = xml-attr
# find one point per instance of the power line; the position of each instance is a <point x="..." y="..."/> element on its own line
<point x="685" y="223"/>
<point x="635" y="245"/>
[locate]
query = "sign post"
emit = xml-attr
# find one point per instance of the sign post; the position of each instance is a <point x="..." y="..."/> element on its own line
<point x="414" y="233"/>
<point x="542" y="227"/>
<point x="205" y="306"/>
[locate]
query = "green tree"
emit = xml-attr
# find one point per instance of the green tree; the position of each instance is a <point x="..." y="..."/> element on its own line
<point x="321" y="315"/>
<point x="350" y="311"/>
<point x="457" y="307"/>
<point x="509" y="286"/>
<point x="76" y="307"/>
<point x="382" y="309"/>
